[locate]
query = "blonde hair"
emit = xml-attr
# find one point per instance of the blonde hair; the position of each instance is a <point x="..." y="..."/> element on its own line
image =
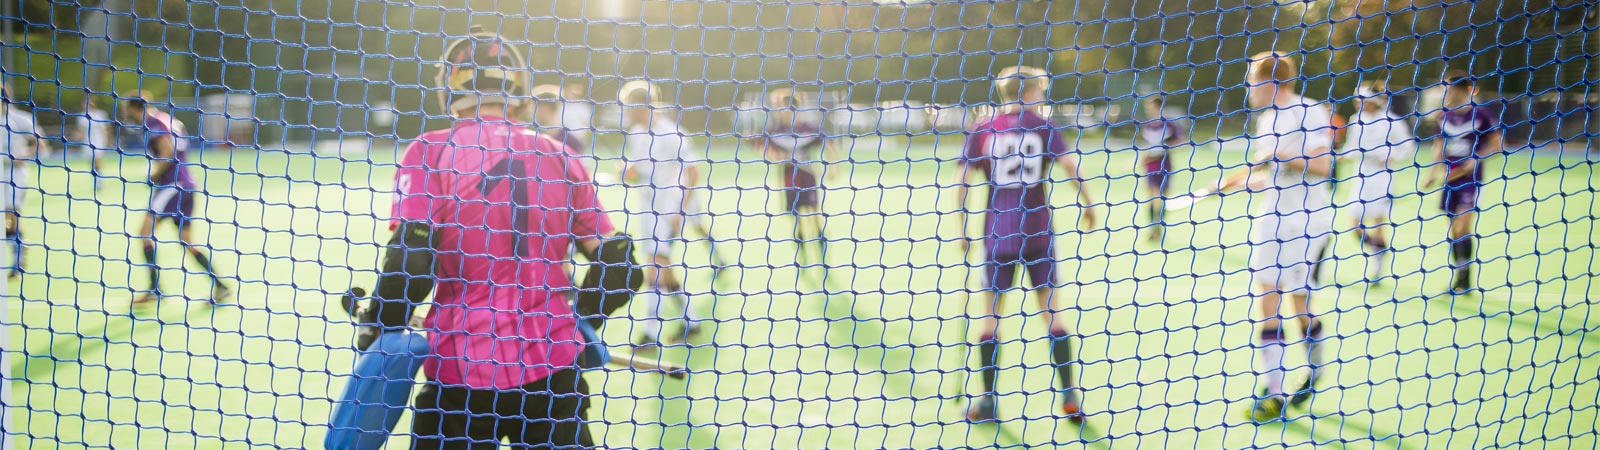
<point x="638" y="93"/>
<point x="1274" y="66"/>
<point x="1011" y="82"/>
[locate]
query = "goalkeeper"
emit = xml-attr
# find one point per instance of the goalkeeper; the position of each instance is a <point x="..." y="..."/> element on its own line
<point x="488" y="209"/>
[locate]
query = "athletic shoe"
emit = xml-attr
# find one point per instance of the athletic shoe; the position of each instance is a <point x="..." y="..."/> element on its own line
<point x="1307" y="390"/>
<point x="147" y="298"/>
<point x="1461" y="283"/>
<point x="1154" y="235"/>
<point x="646" y="343"/>
<point x="1071" y="411"/>
<point x="982" y="410"/>
<point x="220" y="293"/>
<point x="689" y="332"/>
<point x="1267" y="409"/>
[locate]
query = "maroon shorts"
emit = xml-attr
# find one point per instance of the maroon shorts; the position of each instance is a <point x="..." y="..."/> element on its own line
<point x="172" y="202"/>
<point x="801" y="189"/>
<point x="1000" y="271"/>
<point x="1460" y="196"/>
<point x="1155" y="172"/>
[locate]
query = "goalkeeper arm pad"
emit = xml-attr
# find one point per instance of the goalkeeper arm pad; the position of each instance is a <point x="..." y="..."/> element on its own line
<point x="613" y="277"/>
<point x="407" y="274"/>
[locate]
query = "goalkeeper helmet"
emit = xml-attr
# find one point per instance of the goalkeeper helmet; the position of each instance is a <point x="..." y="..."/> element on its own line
<point x="482" y="68"/>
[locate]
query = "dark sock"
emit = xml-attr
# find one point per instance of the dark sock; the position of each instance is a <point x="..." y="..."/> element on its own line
<point x="155" y="273"/>
<point x="15" y="236"/>
<point x="1461" y="251"/>
<point x="1061" y="349"/>
<point x="988" y="351"/>
<point x="1150" y="212"/>
<point x="205" y="263"/>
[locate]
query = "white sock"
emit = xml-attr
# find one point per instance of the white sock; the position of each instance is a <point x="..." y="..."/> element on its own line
<point x="650" y="320"/>
<point x="691" y="312"/>
<point x="1316" y="340"/>
<point x="1270" y="351"/>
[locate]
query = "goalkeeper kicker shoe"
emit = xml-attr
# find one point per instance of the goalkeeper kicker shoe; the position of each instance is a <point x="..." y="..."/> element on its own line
<point x="1267" y="409"/>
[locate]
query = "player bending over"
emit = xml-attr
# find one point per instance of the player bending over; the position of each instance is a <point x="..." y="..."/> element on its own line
<point x="1014" y="151"/>
<point x="21" y="144"/>
<point x="1290" y="167"/>
<point x="661" y="164"/>
<point x="1376" y="138"/>
<point x="1161" y="133"/>
<point x="800" y="151"/>
<point x="483" y="218"/>
<point x="1470" y="133"/>
<point x="172" y="191"/>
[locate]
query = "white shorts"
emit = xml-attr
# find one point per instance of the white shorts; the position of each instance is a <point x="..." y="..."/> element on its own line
<point x="14" y="193"/>
<point x="12" y="198"/>
<point x="1373" y="199"/>
<point x="1284" y="252"/>
<point x="662" y="221"/>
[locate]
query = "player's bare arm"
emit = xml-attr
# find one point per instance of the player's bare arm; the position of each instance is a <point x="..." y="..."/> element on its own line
<point x="1440" y="169"/>
<point x="691" y="181"/>
<point x="1070" y="164"/>
<point x="1317" y="161"/>
<point x="969" y="178"/>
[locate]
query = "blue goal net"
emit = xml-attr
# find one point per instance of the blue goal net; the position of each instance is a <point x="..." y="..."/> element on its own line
<point x="794" y="224"/>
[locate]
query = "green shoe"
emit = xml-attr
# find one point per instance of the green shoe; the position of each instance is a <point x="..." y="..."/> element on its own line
<point x="1267" y="409"/>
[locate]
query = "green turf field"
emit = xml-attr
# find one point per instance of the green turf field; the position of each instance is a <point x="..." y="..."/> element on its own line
<point x="1165" y="337"/>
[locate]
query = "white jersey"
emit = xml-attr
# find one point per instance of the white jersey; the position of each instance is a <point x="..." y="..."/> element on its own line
<point x="1378" y="138"/>
<point x="1294" y="223"/>
<point x="578" y="118"/>
<point x="99" y="129"/>
<point x="20" y="134"/>
<point x="1294" y="130"/>
<point x="661" y="154"/>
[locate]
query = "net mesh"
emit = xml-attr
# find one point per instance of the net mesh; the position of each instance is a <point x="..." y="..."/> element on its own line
<point x="849" y="235"/>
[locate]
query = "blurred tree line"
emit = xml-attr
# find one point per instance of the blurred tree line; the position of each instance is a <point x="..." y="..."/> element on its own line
<point x="327" y="61"/>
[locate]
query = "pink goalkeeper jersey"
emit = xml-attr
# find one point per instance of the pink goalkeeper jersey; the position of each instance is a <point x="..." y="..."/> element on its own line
<point x="504" y="203"/>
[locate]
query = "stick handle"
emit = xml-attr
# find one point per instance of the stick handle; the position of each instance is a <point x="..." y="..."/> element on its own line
<point x="649" y="365"/>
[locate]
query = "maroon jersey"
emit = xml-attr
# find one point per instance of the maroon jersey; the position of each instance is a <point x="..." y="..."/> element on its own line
<point x="1015" y="151"/>
<point x="1466" y="130"/>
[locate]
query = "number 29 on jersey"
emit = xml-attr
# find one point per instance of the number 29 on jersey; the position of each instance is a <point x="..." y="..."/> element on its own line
<point x="1018" y="159"/>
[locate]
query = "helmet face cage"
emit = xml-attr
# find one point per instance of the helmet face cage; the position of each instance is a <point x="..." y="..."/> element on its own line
<point x="482" y="68"/>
